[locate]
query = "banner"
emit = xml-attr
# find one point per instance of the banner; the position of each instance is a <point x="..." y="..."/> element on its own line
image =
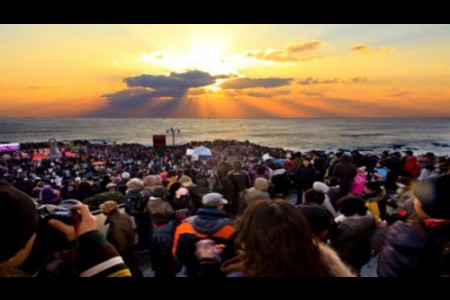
<point x="9" y="147"/>
<point x="159" y="144"/>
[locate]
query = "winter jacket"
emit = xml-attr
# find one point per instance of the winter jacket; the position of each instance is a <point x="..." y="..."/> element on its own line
<point x="401" y="249"/>
<point x="352" y="242"/>
<point x="208" y="223"/>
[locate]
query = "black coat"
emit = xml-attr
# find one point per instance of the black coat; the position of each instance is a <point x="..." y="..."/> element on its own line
<point x="305" y="176"/>
<point x="401" y="249"/>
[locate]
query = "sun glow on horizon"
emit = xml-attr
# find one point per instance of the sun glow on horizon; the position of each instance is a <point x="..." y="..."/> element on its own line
<point x="205" y="53"/>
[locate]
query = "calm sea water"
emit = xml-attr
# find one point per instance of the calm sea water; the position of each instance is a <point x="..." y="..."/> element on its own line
<point x="294" y="134"/>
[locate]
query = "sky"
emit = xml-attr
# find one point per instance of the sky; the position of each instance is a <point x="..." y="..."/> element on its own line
<point x="225" y="71"/>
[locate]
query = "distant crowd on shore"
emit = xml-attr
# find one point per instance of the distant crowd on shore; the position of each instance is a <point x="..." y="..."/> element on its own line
<point x="229" y="214"/>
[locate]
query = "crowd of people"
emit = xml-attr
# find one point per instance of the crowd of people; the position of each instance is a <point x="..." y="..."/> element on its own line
<point x="228" y="214"/>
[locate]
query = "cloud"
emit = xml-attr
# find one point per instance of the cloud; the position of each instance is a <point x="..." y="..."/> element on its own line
<point x="175" y="80"/>
<point x="148" y="92"/>
<point x="267" y="95"/>
<point x="246" y="83"/>
<point x="362" y="48"/>
<point x="311" y="80"/>
<point x="290" y="53"/>
<point x="304" y="46"/>
<point x="359" y="79"/>
<point x="316" y="81"/>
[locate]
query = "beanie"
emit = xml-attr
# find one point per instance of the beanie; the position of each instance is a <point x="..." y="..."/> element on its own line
<point x="19" y="220"/>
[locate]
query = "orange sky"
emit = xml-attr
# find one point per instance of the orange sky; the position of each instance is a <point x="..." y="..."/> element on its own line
<point x="230" y="71"/>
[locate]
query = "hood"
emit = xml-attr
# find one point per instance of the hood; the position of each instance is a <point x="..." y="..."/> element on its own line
<point x="320" y="186"/>
<point x="209" y="220"/>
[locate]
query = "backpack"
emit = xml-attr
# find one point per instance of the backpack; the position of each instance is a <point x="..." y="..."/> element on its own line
<point x="135" y="203"/>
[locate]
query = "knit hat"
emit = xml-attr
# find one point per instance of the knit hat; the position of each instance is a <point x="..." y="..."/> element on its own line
<point x="182" y="192"/>
<point x="109" y="206"/>
<point x="19" y="220"/>
<point x="50" y="196"/>
<point x="434" y="195"/>
<point x="213" y="199"/>
<point x="159" y="192"/>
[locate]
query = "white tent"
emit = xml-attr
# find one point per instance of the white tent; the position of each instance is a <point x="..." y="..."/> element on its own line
<point x="202" y="152"/>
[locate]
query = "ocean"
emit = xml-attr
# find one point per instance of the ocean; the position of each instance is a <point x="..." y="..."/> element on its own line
<point x="421" y="135"/>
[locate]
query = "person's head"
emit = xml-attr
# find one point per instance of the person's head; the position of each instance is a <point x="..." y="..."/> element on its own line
<point x="278" y="241"/>
<point x="314" y="196"/>
<point x="320" y="220"/>
<point x="151" y="181"/>
<point x="433" y="198"/>
<point x="18" y="225"/>
<point x="306" y="161"/>
<point x="111" y="186"/>
<point x="380" y="164"/>
<point x="159" y="192"/>
<point x="351" y="205"/>
<point x="135" y="184"/>
<point x="237" y="166"/>
<point x="125" y="175"/>
<point x="185" y="181"/>
<point x="372" y="187"/>
<point x="182" y="192"/>
<point x="109" y="207"/>
<point x="408" y="153"/>
<point x="214" y="200"/>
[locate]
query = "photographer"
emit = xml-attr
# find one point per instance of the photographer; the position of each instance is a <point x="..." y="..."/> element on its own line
<point x="92" y="255"/>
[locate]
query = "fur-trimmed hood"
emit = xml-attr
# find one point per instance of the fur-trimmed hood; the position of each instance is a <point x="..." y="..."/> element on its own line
<point x="335" y="265"/>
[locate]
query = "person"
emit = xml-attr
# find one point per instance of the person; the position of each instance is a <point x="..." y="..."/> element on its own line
<point x="19" y="227"/>
<point x="275" y="240"/>
<point x="259" y="191"/>
<point x="305" y="176"/>
<point x="210" y="222"/>
<point x="120" y="234"/>
<point x="356" y="227"/>
<point x="411" y="168"/>
<point x="425" y="234"/>
<point x="345" y="171"/>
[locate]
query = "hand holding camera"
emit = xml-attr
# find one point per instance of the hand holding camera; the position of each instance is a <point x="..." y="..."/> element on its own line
<point x="83" y="222"/>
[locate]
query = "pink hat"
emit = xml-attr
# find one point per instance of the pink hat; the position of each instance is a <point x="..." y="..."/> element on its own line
<point x="182" y="192"/>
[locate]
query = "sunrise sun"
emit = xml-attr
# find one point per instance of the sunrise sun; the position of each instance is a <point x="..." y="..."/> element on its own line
<point x="206" y="53"/>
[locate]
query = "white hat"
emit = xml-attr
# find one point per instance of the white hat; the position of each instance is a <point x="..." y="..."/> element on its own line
<point x="320" y="186"/>
<point x="125" y="175"/>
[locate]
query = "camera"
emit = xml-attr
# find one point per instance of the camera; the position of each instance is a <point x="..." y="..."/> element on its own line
<point x="50" y="243"/>
<point x="59" y="212"/>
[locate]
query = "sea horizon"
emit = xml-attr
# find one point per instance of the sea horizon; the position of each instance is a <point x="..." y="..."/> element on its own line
<point x="329" y="134"/>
